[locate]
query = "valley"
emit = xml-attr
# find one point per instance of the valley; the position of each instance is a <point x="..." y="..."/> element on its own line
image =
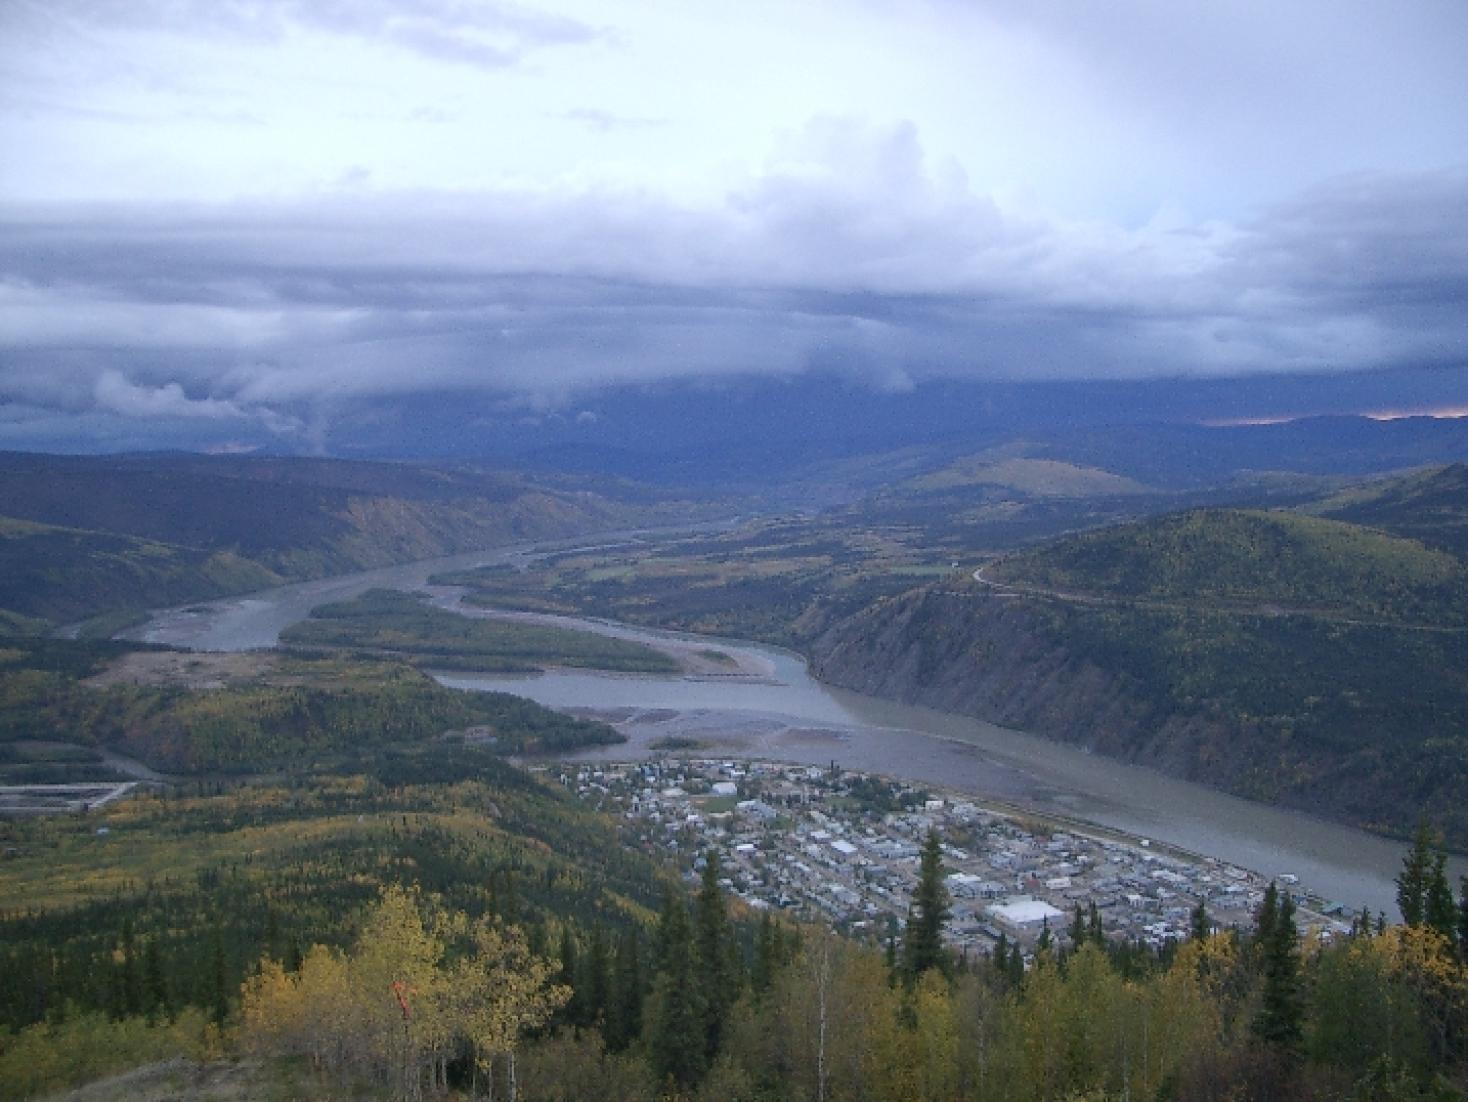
<point x="1073" y="674"/>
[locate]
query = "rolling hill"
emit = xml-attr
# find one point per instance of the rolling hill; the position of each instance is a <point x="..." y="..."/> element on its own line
<point x="83" y="536"/>
<point x="1314" y="662"/>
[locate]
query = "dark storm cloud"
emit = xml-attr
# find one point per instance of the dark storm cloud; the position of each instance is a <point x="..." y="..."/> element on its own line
<point x="266" y="317"/>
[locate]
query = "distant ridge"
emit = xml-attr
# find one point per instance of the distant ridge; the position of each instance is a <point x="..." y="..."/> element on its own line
<point x="83" y="536"/>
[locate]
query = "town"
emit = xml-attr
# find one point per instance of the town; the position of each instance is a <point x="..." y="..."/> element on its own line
<point x="825" y="844"/>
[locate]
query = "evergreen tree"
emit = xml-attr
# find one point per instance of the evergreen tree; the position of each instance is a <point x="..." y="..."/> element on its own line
<point x="624" y="1012"/>
<point x="677" y="1044"/>
<point x="763" y="972"/>
<point x="1016" y="965"/>
<point x="718" y="963"/>
<point x="1044" y="942"/>
<point x="1280" y="1019"/>
<point x="1200" y="924"/>
<point x="1412" y="881"/>
<point x="1266" y="920"/>
<point x="218" y="979"/>
<point x="1076" y="934"/>
<point x="1098" y="935"/>
<point x="597" y="980"/>
<point x="922" y="944"/>
<point x="1001" y="957"/>
<point x="572" y="1012"/>
<point x="1439" y="911"/>
<point x="156" y="999"/>
<point x="1361" y="924"/>
<point x="131" y="985"/>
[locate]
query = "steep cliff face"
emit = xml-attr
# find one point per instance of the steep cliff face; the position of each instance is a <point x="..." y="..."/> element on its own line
<point x="975" y="653"/>
<point x="1044" y="667"/>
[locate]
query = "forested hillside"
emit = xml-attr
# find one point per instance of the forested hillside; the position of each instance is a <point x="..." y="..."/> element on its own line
<point x="82" y="536"/>
<point x="279" y="713"/>
<point x="1311" y="662"/>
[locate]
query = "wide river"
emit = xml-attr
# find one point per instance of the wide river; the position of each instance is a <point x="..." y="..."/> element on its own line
<point x="786" y="715"/>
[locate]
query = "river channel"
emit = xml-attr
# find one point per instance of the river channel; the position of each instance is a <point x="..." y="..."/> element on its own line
<point x="775" y="710"/>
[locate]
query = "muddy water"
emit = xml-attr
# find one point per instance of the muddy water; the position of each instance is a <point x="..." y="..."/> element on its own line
<point x="780" y="712"/>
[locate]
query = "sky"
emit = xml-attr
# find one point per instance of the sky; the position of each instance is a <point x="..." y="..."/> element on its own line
<point x="233" y="220"/>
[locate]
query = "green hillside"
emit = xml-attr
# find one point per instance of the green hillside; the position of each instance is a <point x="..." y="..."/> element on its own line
<point x="1225" y="557"/>
<point x="275" y="713"/>
<point x="1293" y="658"/>
<point x="1430" y="506"/>
<point x="84" y="536"/>
<point x="63" y="574"/>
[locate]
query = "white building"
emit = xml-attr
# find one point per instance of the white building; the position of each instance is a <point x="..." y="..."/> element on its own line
<point x="1022" y="914"/>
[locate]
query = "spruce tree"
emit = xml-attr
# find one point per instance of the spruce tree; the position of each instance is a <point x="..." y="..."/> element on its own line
<point x="572" y="1012"/>
<point x="1044" y="942"/>
<point x="677" y="1045"/>
<point x="156" y="999"/>
<point x="131" y="981"/>
<point x="1201" y="926"/>
<point x="718" y="963"/>
<point x="1097" y="934"/>
<point x="218" y="981"/>
<point x="1439" y="911"/>
<point x="763" y="973"/>
<point x="1266" y="919"/>
<point x="922" y="944"/>
<point x="624" y="1013"/>
<point x="1281" y="1011"/>
<point x="1076" y="935"/>
<point x="1361" y="924"/>
<point x="598" y="980"/>
<point x="1412" y="881"/>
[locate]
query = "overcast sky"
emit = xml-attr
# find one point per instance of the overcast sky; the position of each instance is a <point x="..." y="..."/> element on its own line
<point x="240" y="214"/>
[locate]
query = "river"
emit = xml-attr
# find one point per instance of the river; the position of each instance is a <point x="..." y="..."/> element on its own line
<point x="784" y="714"/>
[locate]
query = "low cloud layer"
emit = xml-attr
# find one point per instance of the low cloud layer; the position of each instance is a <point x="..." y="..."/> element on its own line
<point x="238" y="218"/>
<point x="849" y="253"/>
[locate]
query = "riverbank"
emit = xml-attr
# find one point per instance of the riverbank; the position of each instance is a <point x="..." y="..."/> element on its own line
<point x="788" y="714"/>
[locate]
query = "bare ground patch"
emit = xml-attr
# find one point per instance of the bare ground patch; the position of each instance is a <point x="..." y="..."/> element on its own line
<point x="185" y="669"/>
